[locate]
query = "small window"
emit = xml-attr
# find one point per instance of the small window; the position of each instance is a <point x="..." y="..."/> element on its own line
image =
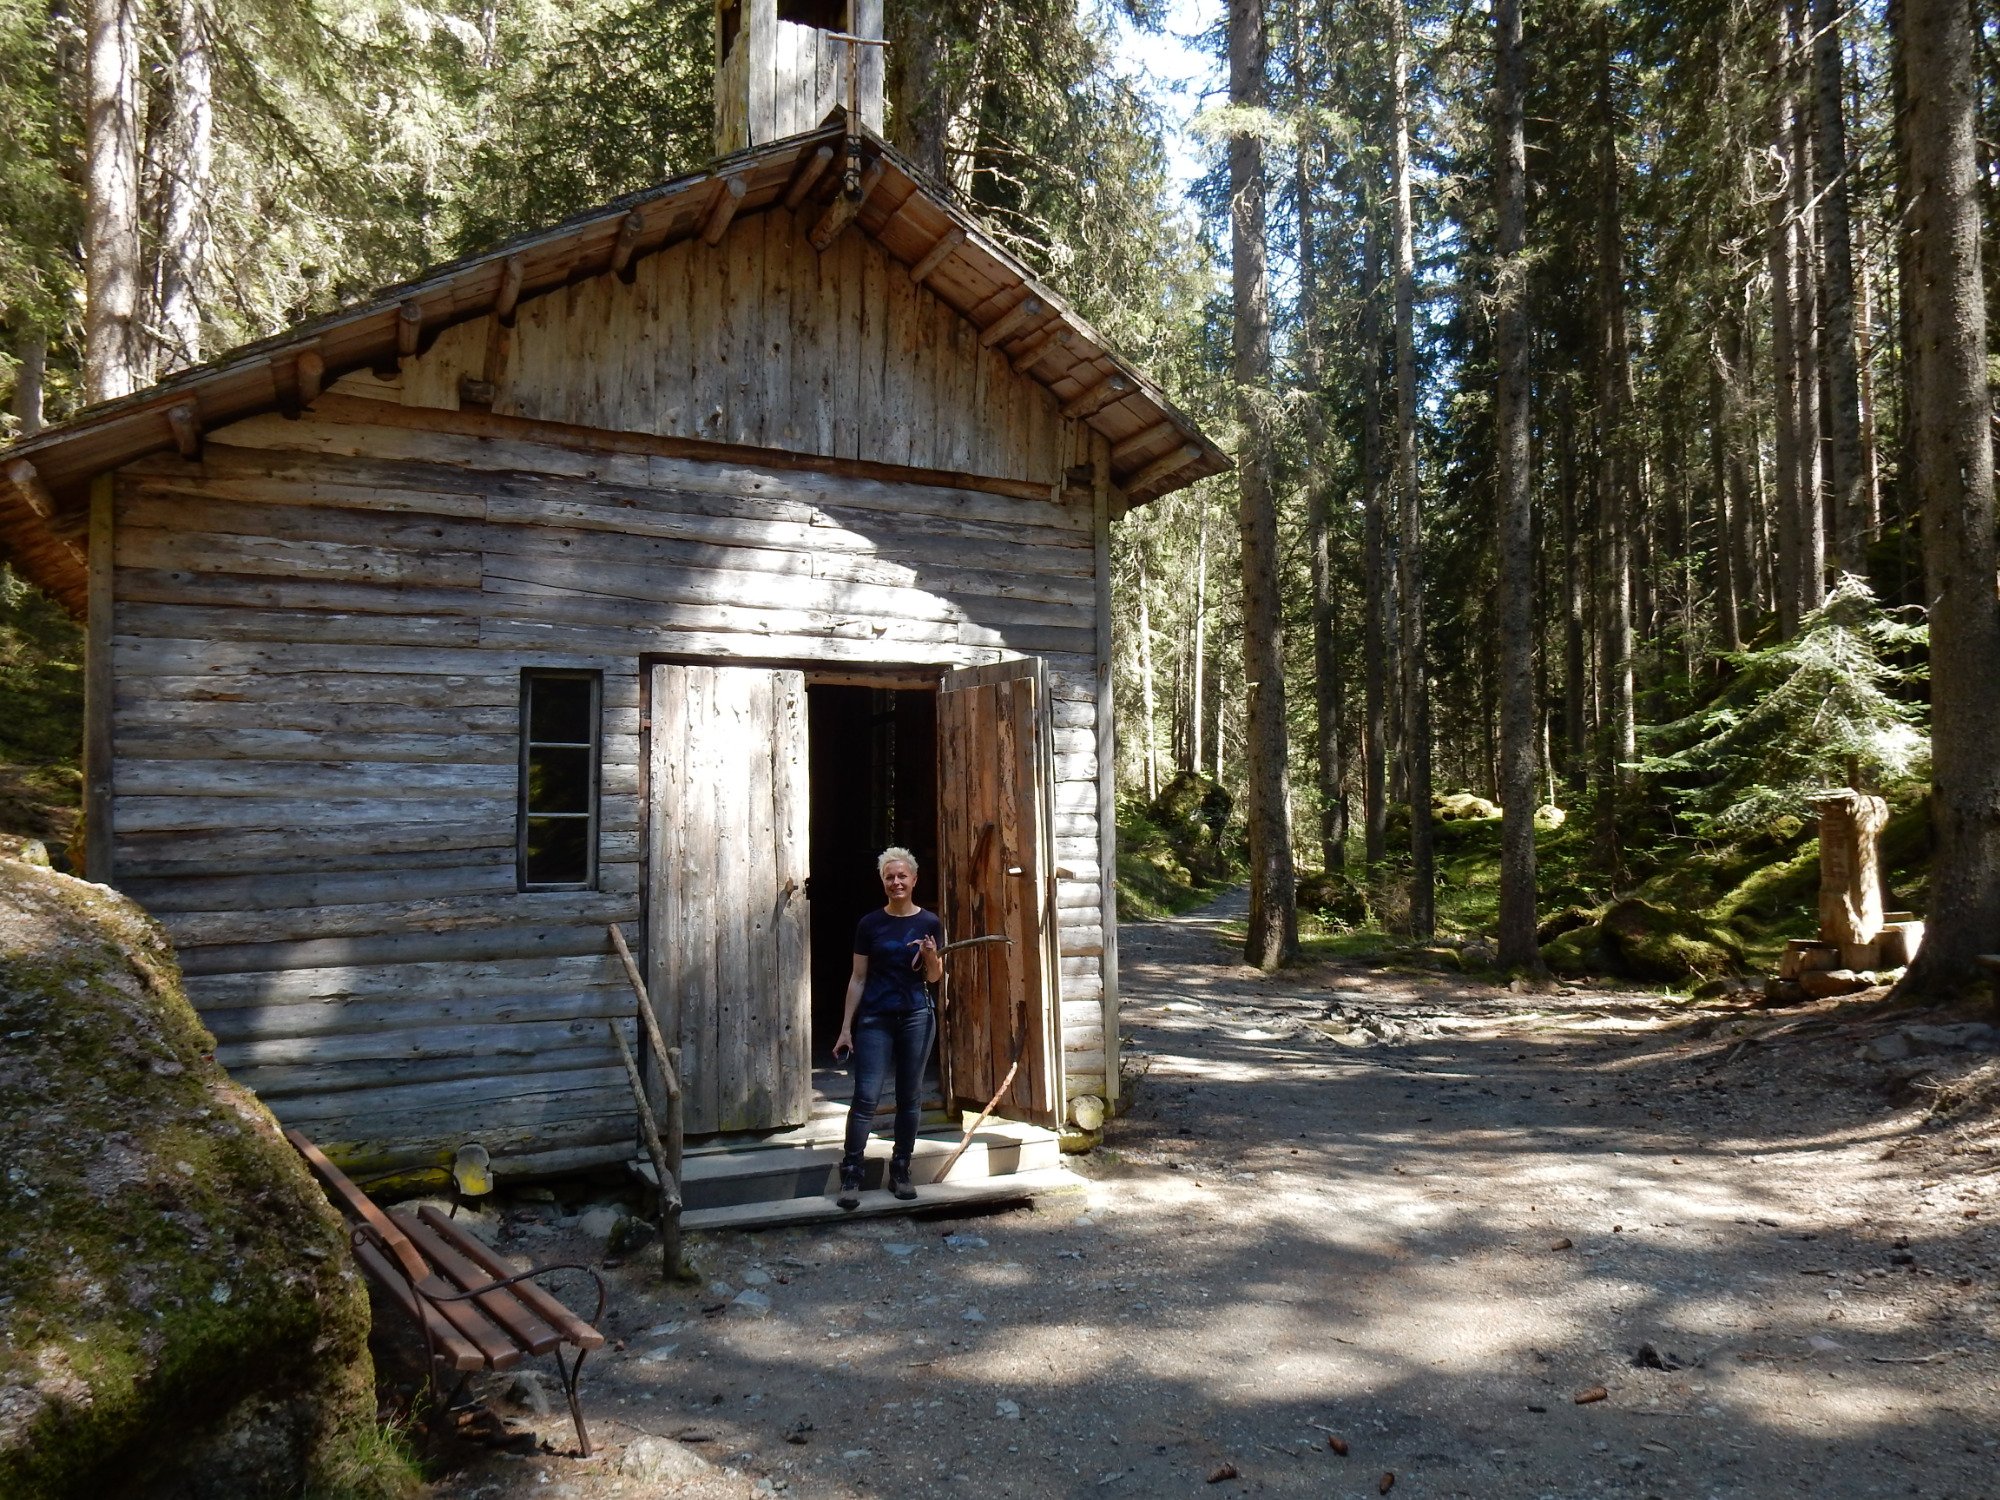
<point x="559" y="750"/>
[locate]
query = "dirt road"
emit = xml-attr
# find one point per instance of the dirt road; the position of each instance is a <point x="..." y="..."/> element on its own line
<point x="1421" y="1216"/>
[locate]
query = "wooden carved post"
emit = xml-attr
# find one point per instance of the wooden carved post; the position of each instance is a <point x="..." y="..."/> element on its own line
<point x="1850" y="874"/>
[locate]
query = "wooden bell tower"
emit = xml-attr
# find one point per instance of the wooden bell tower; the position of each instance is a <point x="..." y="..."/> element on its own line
<point x="782" y="66"/>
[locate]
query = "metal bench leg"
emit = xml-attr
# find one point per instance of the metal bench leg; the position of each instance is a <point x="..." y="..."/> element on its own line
<point x="570" y="1374"/>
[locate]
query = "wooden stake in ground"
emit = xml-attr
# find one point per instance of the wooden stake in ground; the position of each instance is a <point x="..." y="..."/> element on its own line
<point x="670" y="1191"/>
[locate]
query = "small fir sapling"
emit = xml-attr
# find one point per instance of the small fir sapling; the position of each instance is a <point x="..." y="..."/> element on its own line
<point x="1821" y="711"/>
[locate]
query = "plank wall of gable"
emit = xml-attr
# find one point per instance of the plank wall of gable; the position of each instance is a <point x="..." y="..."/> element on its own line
<point x="320" y="630"/>
<point x="758" y="340"/>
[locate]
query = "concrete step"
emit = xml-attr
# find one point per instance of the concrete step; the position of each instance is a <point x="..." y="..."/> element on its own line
<point x="954" y="1194"/>
<point x="777" y="1174"/>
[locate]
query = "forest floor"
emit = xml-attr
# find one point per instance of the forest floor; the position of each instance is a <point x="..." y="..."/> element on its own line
<point x="1496" y="1243"/>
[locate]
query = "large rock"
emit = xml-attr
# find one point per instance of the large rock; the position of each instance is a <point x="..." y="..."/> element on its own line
<point x="1193" y="812"/>
<point x="1636" y="939"/>
<point x="179" y="1316"/>
<point x="1654" y="943"/>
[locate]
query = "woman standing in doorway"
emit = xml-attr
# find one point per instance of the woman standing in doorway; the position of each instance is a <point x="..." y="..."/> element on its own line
<point x="898" y="956"/>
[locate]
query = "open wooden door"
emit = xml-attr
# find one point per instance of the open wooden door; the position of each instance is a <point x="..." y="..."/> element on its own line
<point x="727" y="923"/>
<point x="996" y="876"/>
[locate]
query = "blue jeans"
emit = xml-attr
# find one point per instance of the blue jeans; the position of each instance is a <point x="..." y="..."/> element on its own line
<point x="879" y="1041"/>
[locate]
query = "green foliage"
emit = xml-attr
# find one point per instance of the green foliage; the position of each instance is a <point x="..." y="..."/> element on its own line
<point x="41" y="713"/>
<point x="1803" y="716"/>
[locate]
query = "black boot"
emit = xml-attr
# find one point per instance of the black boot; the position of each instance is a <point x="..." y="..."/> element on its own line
<point x="850" y="1187"/>
<point x="899" y="1178"/>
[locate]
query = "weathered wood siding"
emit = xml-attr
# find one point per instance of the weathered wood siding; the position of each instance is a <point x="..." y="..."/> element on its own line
<point x="319" y="632"/>
<point x="758" y="340"/>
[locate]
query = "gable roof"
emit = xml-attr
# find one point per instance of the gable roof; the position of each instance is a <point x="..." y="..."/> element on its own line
<point x="1155" y="448"/>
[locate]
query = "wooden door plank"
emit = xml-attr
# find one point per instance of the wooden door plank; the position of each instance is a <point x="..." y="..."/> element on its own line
<point x="732" y="897"/>
<point x="696" y="940"/>
<point x="791" y="821"/>
<point x="763" y="1008"/>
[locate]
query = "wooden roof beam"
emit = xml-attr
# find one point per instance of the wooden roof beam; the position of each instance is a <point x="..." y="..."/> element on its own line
<point x="309" y="371"/>
<point x="1136" y="444"/>
<point x="512" y="274"/>
<point x="934" y="257"/>
<point x="810" y="171"/>
<point x="28" y="484"/>
<point x="185" y="421"/>
<point x="843" y="210"/>
<point x="722" y="208"/>
<point x="1038" y="343"/>
<point x="1089" y="403"/>
<point x="1009" y="323"/>
<point x="622" y="249"/>
<point x="1161" y="469"/>
<point x="409" y="328"/>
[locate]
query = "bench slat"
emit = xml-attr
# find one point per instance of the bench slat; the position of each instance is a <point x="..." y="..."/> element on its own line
<point x="360" y="1205"/>
<point x="544" y="1305"/>
<point x="503" y="1307"/>
<point x="457" y="1351"/>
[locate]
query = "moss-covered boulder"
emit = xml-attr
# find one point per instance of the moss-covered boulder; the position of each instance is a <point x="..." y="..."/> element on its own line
<point x="1659" y="944"/>
<point x="1460" y="807"/>
<point x="1192" y="812"/>
<point x="179" y="1315"/>
<point x="1576" y="952"/>
<point x="1334" y="897"/>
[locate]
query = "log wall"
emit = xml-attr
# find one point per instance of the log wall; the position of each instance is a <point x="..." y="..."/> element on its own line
<point x="319" y="630"/>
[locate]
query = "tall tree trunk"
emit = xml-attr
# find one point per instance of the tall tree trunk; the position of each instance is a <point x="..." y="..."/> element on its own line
<point x="1576" y="676"/>
<point x="1954" y="482"/>
<point x="1864" y="354"/>
<point x="1806" y="330"/>
<point x="29" y="381"/>
<point x="1515" y="523"/>
<point x="1374" y="561"/>
<point x="1787" y="262"/>
<point x="1199" y="694"/>
<point x="1615" y="466"/>
<point x="1319" y="519"/>
<point x="1845" y="471"/>
<point x="1740" y="450"/>
<point x="111" y="198"/>
<point x="1273" y="937"/>
<point x="1728" y="614"/>
<point x="1148" y="729"/>
<point x="189" y="178"/>
<point x="1410" y="543"/>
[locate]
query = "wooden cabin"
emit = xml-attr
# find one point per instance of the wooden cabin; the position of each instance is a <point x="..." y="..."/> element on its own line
<point x="654" y="569"/>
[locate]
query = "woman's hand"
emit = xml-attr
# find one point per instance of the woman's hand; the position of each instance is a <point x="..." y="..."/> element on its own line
<point x="843" y="1045"/>
<point x="928" y="959"/>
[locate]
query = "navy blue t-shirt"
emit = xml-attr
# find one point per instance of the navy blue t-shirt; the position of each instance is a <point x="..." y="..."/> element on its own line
<point x="895" y="986"/>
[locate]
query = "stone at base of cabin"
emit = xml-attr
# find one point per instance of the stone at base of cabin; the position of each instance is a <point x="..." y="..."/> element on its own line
<point x="630" y="1235"/>
<point x="600" y="1221"/>
<point x="179" y="1316"/>
<point x="1075" y="1142"/>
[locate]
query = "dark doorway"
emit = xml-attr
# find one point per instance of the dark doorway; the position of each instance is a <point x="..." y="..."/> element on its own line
<point x="874" y="783"/>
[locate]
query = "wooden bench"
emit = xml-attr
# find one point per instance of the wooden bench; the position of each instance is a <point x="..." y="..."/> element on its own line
<point x="475" y="1311"/>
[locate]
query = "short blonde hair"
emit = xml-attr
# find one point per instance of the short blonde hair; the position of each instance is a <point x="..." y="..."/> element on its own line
<point x="891" y="854"/>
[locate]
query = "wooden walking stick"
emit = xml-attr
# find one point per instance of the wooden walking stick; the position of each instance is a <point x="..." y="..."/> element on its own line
<point x="668" y="1166"/>
<point x="1005" y="1083"/>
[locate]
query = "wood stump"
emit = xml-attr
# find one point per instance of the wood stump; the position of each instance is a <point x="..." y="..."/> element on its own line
<point x="1850" y="873"/>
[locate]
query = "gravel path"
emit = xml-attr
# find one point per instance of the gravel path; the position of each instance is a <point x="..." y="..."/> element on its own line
<point x="1414" y="1215"/>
